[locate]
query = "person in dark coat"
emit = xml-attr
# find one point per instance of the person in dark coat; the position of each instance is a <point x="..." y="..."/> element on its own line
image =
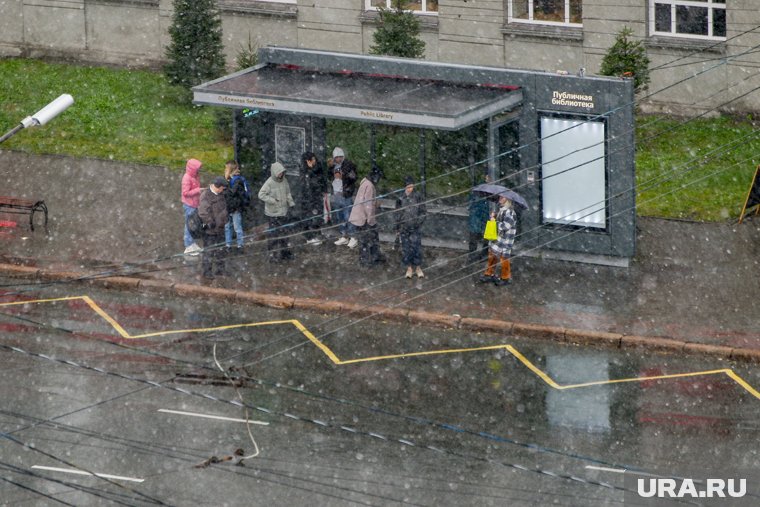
<point x="410" y="214"/>
<point x="213" y="213"/>
<point x="237" y="196"/>
<point x="313" y="190"/>
<point x="479" y="210"/>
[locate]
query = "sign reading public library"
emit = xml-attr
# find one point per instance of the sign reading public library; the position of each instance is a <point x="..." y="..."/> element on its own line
<point x="322" y="110"/>
<point x="581" y="100"/>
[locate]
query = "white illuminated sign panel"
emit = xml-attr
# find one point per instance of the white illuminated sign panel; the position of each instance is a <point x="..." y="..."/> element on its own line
<point x="573" y="176"/>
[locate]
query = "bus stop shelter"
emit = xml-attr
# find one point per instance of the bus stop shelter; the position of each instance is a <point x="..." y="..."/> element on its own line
<point x="564" y="142"/>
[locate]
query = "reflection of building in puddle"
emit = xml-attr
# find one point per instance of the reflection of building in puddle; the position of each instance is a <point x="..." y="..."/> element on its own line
<point x="587" y="409"/>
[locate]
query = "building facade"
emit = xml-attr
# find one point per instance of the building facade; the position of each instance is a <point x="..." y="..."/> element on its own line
<point x="702" y="52"/>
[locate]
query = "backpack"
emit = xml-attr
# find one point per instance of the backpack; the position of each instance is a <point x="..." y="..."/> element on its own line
<point x="246" y="196"/>
<point x="195" y="224"/>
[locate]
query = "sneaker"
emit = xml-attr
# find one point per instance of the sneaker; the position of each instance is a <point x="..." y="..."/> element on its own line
<point x="352" y="243"/>
<point x="341" y="241"/>
<point x="193" y="249"/>
<point x="314" y="241"/>
<point x="409" y="272"/>
<point x="486" y="278"/>
<point x="419" y="273"/>
<point x="500" y="282"/>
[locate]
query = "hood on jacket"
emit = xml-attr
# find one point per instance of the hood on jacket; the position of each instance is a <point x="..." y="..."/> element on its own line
<point x="192" y="167"/>
<point x="277" y="169"/>
<point x="375" y="174"/>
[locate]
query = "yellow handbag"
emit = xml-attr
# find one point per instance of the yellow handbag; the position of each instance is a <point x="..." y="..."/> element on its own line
<point x="491" y="232"/>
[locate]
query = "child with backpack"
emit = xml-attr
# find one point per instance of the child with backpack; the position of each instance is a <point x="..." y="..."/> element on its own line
<point x="238" y="198"/>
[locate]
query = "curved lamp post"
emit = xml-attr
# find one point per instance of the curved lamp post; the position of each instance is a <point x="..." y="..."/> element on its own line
<point x="42" y="116"/>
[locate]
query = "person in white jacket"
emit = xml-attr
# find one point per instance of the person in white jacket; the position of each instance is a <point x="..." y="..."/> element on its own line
<point x="275" y="193"/>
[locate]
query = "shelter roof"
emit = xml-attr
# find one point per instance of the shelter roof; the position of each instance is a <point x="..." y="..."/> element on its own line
<point x="360" y="96"/>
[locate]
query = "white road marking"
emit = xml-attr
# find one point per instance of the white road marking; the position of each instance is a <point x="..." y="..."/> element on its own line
<point x="209" y="416"/>
<point x="605" y="469"/>
<point x="635" y="472"/>
<point x="82" y="472"/>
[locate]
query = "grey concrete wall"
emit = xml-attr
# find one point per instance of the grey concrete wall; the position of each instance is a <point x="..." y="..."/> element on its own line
<point x="134" y="32"/>
<point x="331" y="25"/>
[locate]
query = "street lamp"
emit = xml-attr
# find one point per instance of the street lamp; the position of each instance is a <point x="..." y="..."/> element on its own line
<point x="42" y="116"/>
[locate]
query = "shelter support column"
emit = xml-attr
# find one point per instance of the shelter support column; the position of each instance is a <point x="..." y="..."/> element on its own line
<point x="493" y="142"/>
<point x="423" y="164"/>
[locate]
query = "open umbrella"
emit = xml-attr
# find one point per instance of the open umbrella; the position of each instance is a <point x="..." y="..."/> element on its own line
<point x="490" y="188"/>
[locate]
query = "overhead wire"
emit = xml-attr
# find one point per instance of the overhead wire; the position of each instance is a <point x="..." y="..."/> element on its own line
<point x="35" y="449"/>
<point x="176" y="256"/>
<point x="162" y="450"/>
<point x="328" y="424"/>
<point x="469" y="275"/>
<point x="278" y="385"/>
<point x="425" y="294"/>
<point x="33" y="490"/>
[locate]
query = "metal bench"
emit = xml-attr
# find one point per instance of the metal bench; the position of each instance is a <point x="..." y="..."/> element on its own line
<point x="14" y="206"/>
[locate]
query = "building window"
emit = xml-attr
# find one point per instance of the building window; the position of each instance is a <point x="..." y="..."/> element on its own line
<point x="704" y="19"/>
<point x="423" y="6"/>
<point x="546" y="12"/>
<point x="573" y="175"/>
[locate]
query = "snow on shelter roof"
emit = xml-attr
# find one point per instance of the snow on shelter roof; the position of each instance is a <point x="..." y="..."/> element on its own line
<point x="358" y="96"/>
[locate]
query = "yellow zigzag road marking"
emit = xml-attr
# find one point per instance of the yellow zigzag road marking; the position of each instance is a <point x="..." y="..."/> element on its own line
<point x="336" y="360"/>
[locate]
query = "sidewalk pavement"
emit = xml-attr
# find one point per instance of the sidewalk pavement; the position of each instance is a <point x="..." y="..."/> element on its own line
<point x="692" y="287"/>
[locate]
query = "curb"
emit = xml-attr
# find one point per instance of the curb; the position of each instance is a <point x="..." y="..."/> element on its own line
<point x="393" y="314"/>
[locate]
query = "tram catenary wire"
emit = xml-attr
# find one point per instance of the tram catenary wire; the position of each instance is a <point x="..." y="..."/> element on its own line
<point x="468" y="275"/>
<point x="513" y="150"/>
<point x="321" y="423"/>
<point x="193" y="455"/>
<point x="177" y="256"/>
<point x="335" y="426"/>
<point x="353" y="323"/>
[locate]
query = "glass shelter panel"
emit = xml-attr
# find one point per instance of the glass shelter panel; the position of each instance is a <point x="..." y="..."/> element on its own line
<point x="573" y="187"/>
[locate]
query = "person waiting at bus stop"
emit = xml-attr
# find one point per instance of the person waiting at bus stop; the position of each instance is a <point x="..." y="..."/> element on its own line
<point x="213" y="212"/>
<point x="363" y="218"/>
<point x="500" y="249"/>
<point x="313" y="189"/>
<point x="410" y="214"/>
<point x="275" y="193"/>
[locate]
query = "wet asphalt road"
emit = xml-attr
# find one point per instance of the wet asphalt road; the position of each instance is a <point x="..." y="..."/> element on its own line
<point x="436" y="424"/>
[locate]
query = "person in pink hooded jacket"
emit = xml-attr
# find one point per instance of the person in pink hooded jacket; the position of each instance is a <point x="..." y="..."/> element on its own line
<point x="191" y="191"/>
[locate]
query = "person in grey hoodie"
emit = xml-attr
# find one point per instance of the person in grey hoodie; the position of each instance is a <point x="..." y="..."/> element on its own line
<point x="275" y="193"/>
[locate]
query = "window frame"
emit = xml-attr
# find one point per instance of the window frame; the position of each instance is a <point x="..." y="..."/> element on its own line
<point x="531" y="21"/>
<point x="389" y="5"/>
<point x="710" y="5"/>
